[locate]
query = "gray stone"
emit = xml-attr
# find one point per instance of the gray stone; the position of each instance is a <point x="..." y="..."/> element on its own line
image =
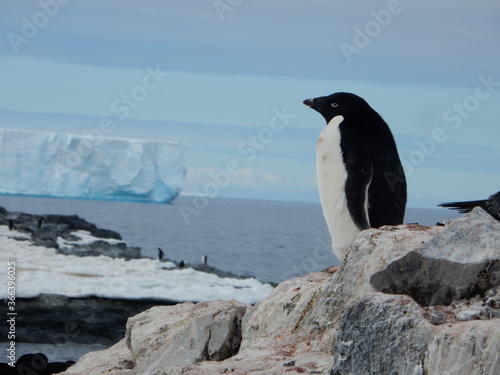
<point x="461" y="262"/>
<point x="113" y="361"/>
<point x="489" y="313"/>
<point x="437" y="317"/>
<point x="380" y="334"/>
<point x="464" y="348"/>
<point x="274" y="321"/>
<point x="165" y="337"/>
<point x="469" y="314"/>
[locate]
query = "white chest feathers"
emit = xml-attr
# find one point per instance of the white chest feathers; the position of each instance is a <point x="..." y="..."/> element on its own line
<point x="331" y="175"/>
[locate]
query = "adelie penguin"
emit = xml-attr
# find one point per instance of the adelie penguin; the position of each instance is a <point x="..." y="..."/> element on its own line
<point x="490" y="205"/>
<point x="360" y="178"/>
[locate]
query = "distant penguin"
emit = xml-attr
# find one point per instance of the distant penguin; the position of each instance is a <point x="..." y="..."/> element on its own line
<point x="182" y="264"/>
<point x="40" y="222"/>
<point x="11" y="224"/>
<point x="204" y="260"/>
<point x="160" y="254"/>
<point x="361" y="181"/>
<point x="490" y="205"/>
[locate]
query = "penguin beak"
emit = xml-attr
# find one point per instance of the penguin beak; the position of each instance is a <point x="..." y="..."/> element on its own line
<point x="309" y="102"/>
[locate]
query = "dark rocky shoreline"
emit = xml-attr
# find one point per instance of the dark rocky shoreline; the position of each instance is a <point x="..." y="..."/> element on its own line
<point x="45" y="229"/>
<point x="56" y="319"/>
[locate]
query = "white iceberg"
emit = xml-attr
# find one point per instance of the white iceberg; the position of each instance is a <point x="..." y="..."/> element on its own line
<point x="73" y="166"/>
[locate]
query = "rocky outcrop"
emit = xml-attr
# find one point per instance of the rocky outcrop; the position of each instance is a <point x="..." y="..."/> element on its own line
<point x="214" y="334"/>
<point x="429" y="273"/>
<point x="54" y="231"/>
<point x="389" y="309"/>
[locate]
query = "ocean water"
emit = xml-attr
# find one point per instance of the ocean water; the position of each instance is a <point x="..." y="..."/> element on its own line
<point x="270" y="240"/>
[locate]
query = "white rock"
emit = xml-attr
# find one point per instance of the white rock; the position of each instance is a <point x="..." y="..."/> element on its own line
<point x="469" y="314"/>
<point x="465" y="348"/>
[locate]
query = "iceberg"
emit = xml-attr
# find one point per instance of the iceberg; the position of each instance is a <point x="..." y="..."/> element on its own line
<point x="86" y="167"/>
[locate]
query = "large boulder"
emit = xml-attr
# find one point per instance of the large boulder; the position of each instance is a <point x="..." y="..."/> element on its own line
<point x="468" y="248"/>
<point x="168" y="339"/>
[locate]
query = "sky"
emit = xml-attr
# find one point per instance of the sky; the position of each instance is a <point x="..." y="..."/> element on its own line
<point x="227" y="79"/>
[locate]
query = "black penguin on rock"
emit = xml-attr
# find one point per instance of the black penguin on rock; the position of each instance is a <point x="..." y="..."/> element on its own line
<point x="490" y="205"/>
<point x="361" y="181"/>
<point x="40" y="222"/>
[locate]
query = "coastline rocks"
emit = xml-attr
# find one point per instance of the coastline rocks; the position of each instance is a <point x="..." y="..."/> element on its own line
<point x="57" y="319"/>
<point x="69" y="234"/>
<point x="343" y="323"/>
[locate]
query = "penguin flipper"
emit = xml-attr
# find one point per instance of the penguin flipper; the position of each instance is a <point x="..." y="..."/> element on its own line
<point x="359" y="176"/>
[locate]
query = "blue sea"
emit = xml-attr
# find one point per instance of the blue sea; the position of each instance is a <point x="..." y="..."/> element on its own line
<point x="270" y="240"/>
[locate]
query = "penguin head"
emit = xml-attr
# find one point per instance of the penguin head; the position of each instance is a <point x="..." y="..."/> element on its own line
<point x="339" y="104"/>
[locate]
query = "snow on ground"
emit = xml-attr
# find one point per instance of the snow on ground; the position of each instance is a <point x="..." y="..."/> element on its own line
<point x="42" y="270"/>
<point x="85" y="238"/>
<point x="5" y="232"/>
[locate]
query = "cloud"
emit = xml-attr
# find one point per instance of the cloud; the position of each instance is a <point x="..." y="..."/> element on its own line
<point x="228" y="75"/>
<point x="427" y="42"/>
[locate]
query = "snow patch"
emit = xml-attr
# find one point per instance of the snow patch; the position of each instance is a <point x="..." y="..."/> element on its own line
<point x="85" y="238"/>
<point x="41" y="270"/>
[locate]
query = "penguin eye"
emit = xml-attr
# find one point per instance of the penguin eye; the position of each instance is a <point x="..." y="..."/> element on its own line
<point x="334" y="105"/>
